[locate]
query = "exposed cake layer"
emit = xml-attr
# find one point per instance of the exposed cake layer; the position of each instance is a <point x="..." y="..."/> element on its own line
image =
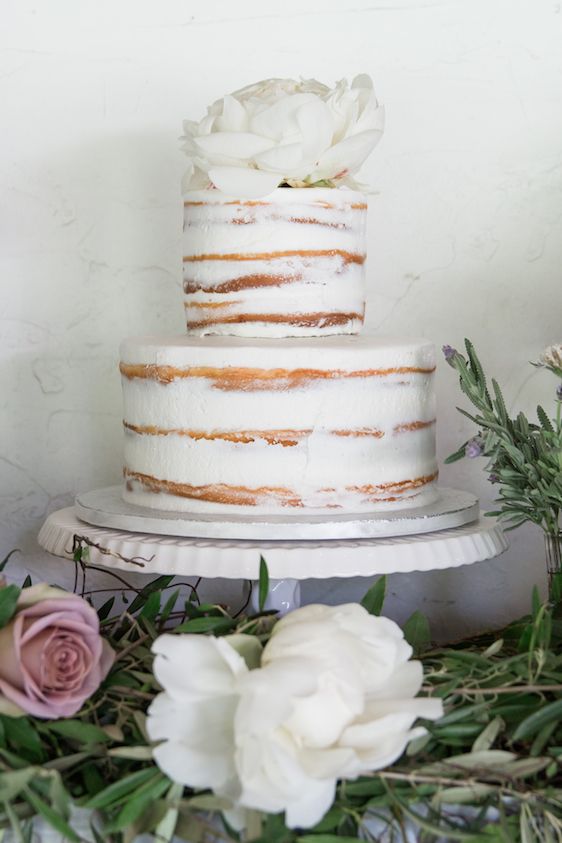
<point x="291" y="264"/>
<point x="229" y="425"/>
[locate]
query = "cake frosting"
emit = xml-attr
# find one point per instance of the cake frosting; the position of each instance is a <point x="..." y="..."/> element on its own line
<point x="225" y="424"/>
<point x="289" y="264"/>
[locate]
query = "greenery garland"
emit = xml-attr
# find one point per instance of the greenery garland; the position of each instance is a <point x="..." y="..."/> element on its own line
<point x="497" y="750"/>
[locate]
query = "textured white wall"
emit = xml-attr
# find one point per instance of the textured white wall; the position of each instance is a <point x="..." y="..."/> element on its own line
<point x="465" y="221"/>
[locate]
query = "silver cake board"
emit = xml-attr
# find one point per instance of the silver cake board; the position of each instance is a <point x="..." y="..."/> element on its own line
<point x="106" y="508"/>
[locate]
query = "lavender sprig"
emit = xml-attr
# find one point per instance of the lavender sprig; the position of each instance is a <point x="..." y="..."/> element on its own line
<point x="523" y="458"/>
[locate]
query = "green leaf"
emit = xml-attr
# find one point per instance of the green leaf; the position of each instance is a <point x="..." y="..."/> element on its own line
<point x="326" y="838"/>
<point x="78" y="730"/>
<point x="13" y="782"/>
<point x="120" y="788"/>
<point x="538" y="720"/>
<point x="331" y="820"/>
<point x="544" y="420"/>
<point x="500" y="404"/>
<point x="263" y="584"/>
<point x="168" y="607"/>
<point x="464" y="794"/>
<point x="54" y="819"/>
<point x="103" y="611"/>
<point x="23" y="737"/>
<point x="206" y="625"/>
<point x="209" y="802"/>
<point x="486" y="738"/>
<point x="164" y="831"/>
<point x="476" y="365"/>
<point x="155" y="585"/>
<point x="416" y="632"/>
<point x="374" y="598"/>
<point x="555" y="593"/>
<point x="457" y="455"/>
<point x="152" y="606"/>
<point x="134" y="753"/>
<point x="8" y="600"/>
<point x="138" y="802"/>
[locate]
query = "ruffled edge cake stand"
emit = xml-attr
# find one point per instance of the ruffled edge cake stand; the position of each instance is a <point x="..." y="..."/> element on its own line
<point x="450" y="543"/>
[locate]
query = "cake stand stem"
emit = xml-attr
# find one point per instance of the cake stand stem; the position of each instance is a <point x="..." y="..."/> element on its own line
<point x="283" y="596"/>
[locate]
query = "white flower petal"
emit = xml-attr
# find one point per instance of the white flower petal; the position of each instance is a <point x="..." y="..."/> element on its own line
<point x="316" y="126"/>
<point x="196" y="666"/>
<point x="269" y="695"/>
<point x="400" y="679"/>
<point x="273" y="780"/>
<point x="234" y="117"/>
<point x="194" y="768"/>
<point x="347" y="155"/>
<point x="247" y="646"/>
<point x="203" y="724"/>
<point x="362" y="80"/>
<point x="430" y="708"/>
<point x="232" y="145"/>
<point x="244" y="183"/>
<point x="278" y="120"/>
<point x="311" y="804"/>
<point x="333" y="763"/>
<point x="319" y="719"/>
<point x="195" y="179"/>
<point x="198" y="736"/>
<point x="284" y="159"/>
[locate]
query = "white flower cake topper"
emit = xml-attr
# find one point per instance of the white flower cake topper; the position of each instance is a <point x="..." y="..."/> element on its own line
<point x="334" y="696"/>
<point x="280" y="131"/>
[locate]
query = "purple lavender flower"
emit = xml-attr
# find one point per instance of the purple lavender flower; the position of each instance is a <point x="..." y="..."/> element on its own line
<point x="559" y="392"/>
<point x="493" y="478"/>
<point x="449" y="352"/>
<point x="474" y="448"/>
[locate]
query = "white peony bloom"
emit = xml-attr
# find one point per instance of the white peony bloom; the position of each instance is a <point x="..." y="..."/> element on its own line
<point x="281" y="131"/>
<point x="335" y="697"/>
<point x="194" y="717"/>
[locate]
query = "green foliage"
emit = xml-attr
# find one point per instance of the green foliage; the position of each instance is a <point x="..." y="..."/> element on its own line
<point x="8" y="599"/>
<point x="497" y="749"/>
<point x="523" y="458"/>
<point x="263" y="584"/>
<point x="416" y="632"/>
<point x="374" y="598"/>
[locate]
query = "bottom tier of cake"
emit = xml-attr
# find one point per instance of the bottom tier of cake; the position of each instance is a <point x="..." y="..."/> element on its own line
<point x="224" y="424"/>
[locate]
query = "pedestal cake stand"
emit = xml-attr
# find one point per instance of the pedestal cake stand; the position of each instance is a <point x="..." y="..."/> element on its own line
<point x="447" y="534"/>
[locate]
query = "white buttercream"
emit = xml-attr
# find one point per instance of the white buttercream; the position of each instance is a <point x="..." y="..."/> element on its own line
<point x="318" y="409"/>
<point x="264" y="239"/>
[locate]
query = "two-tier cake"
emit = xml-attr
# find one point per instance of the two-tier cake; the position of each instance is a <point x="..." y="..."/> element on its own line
<point x="273" y="402"/>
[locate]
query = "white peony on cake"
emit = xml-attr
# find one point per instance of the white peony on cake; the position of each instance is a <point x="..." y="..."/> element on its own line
<point x="283" y="407"/>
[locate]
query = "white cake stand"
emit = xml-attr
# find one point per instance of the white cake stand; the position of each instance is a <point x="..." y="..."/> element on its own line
<point x="289" y="561"/>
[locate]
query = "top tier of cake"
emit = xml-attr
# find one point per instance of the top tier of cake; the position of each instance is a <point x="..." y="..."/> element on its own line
<point x="289" y="265"/>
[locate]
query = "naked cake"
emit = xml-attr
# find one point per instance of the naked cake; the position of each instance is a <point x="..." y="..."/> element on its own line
<point x="273" y="402"/>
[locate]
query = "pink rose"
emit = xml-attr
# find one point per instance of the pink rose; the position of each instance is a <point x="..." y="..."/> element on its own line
<point x="52" y="657"/>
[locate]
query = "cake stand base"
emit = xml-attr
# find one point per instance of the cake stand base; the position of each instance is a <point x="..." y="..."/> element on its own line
<point x="286" y="560"/>
<point x="106" y="508"/>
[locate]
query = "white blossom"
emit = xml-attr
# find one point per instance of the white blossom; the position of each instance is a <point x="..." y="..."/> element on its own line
<point x="334" y="697"/>
<point x="280" y="131"/>
<point x="552" y="356"/>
